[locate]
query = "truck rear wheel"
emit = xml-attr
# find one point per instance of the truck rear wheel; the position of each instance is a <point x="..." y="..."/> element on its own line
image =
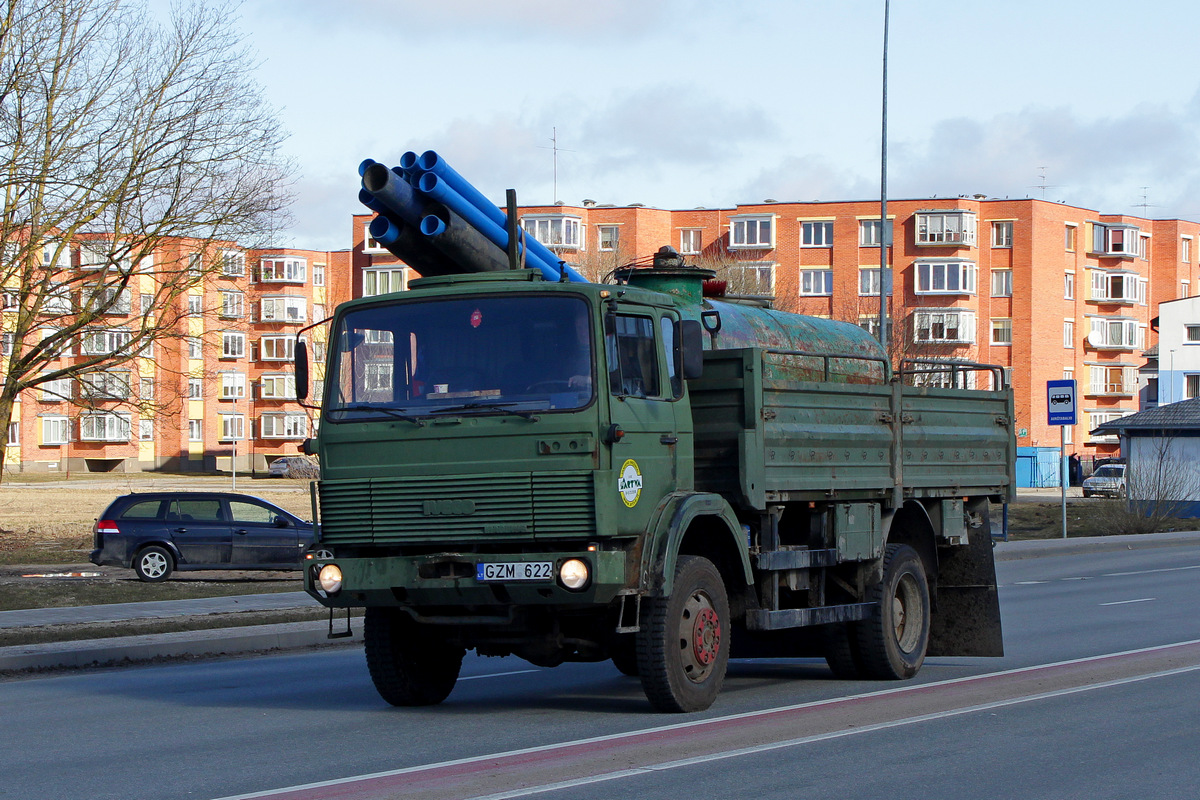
<point x="408" y="665"/>
<point x="841" y="651"/>
<point x="683" y="644"/>
<point x="892" y="643"/>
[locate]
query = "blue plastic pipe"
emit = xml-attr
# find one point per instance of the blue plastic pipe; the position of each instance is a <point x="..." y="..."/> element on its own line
<point x="393" y="193"/>
<point x="430" y="161"/>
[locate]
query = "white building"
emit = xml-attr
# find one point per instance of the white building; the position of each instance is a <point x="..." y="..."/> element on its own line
<point x="1178" y="350"/>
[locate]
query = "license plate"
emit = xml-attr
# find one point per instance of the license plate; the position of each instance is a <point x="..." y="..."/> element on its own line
<point x="515" y="571"/>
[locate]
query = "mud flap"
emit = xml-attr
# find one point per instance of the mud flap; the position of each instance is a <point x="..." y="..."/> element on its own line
<point x="966" y="617"/>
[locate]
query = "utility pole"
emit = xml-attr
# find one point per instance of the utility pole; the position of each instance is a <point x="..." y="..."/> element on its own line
<point x="883" y="237"/>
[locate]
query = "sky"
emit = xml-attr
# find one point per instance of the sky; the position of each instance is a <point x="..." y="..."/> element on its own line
<point x="685" y="103"/>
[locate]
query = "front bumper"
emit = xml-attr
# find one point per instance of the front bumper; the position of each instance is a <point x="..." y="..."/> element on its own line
<point x="420" y="581"/>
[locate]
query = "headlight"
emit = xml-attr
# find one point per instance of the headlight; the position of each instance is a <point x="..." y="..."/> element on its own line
<point x="573" y="573"/>
<point x="330" y="578"/>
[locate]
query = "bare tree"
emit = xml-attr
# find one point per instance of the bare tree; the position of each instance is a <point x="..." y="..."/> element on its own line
<point x="1162" y="482"/>
<point x="131" y="155"/>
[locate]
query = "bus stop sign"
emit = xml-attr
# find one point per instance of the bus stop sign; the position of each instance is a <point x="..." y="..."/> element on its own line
<point x="1060" y="402"/>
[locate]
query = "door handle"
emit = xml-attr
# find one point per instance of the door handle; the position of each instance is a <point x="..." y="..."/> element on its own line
<point x="665" y="439"/>
<point x="242" y="531"/>
<point x="180" y="530"/>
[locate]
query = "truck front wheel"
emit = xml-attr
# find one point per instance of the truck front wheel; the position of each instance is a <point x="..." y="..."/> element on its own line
<point x="409" y="666"/>
<point x="683" y="644"/>
<point x="892" y="643"/>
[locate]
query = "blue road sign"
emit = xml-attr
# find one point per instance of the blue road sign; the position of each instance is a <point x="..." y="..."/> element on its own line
<point x="1060" y="402"/>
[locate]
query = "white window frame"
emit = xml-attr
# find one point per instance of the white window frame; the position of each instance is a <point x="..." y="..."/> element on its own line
<point x="56" y="430"/>
<point x="233" y="427"/>
<point x="145" y="430"/>
<point x="1109" y="286"/>
<point x="56" y="391"/>
<point x="105" y="426"/>
<point x="608" y="238"/>
<point x="1002" y="283"/>
<point x="233" y="304"/>
<point x="1002" y="233"/>
<point x="233" y="385"/>
<point x="104" y="341"/>
<point x="277" y="425"/>
<point x="760" y="272"/>
<point x="1185" y="249"/>
<point x="690" y="241"/>
<point x="752" y="232"/>
<point x="384" y="280"/>
<point x="370" y="245"/>
<point x="195" y="430"/>
<point x="1108" y="333"/>
<point x="195" y="305"/>
<point x="868" y="282"/>
<point x="233" y="264"/>
<point x="868" y="232"/>
<point x="282" y="269"/>
<point x="816" y="233"/>
<point x="233" y="345"/>
<point x="1069" y="285"/>
<point x="562" y="231"/>
<point x="195" y="347"/>
<point x="935" y="326"/>
<point x="1116" y="240"/>
<point x="277" y="386"/>
<point x="318" y="274"/>
<point x="816" y="282"/>
<point x="195" y="389"/>
<point x="1069" y="334"/>
<point x="1101" y="379"/>
<point x="283" y="308"/>
<point x="1001" y="331"/>
<point x="946" y="228"/>
<point x="268" y="348"/>
<point x="951" y="276"/>
<point x="105" y="384"/>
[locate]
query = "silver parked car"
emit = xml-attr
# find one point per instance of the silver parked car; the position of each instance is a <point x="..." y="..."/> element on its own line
<point x="293" y="467"/>
<point x="1107" y="481"/>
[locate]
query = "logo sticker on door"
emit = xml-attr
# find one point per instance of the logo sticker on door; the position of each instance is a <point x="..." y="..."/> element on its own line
<point x="629" y="484"/>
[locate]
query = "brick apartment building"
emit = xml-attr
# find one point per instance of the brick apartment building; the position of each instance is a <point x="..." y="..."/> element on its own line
<point x="1043" y="289"/>
<point x="222" y="378"/>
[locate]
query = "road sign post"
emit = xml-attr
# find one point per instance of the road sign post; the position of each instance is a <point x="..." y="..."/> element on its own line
<point x="1061" y="411"/>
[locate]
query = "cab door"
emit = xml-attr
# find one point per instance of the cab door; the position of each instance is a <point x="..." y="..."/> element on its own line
<point x="643" y="433"/>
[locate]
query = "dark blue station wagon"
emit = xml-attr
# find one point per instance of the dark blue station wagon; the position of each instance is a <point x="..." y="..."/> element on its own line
<point x="157" y="533"/>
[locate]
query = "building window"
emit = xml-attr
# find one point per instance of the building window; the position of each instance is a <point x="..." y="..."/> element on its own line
<point x="233" y="304"/>
<point x="318" y="274"/>
<point x="1068" y="285"/>
<point x="233" y="385"/>
<point x="283" y="309"/>
<point x="14" y="433"/>
<point x="1115" y="380"/>
<point x="609" y="237"/>
<point x="868" y="232"/>
<point x="195" y="347"/>
<point x="57" y="299"/>
<point x="111" y="300"/>
<point x="1115" y="240"/>
<point x="555" y="231"/>
<point x="146" y="389"/>
<point x="1117" y="287"/>
<point x="146" y="430"/>
<point x="195" y="430"/>
<point x="55" y="430"/>
<point x="1184" y="288"/>
<point x="55" y="391"/>
<point x="944" y="325"/>
<point x="689" y="242"/>
<point x="6" y="344"/>
<point x="284" y="426"/>
<point x="756" y="277"/>
<point x="1069" y="334"/>
<point x="1002" y="283"/>
<point x="112" y="384"/>
<point x="195" y="389"/>
<point x="816" y="234"/>
<point x="233" y="264"/>
<point x="233" y="345"/>
<point x="1069" y="238"/>
<point x="104" y="342"/>
<point x="1191" y="387"/>
<point x="1185" y="249"/>
<point x="104" y="427"/>
<point x="195" y="305"/>
<point x="369" y="243"/>
<point x="233" y="427"/>
<point x="382" y="281"/>
<point x="868" y="282"/>
<point x="816" y="282"/>
<point x="277" y="348"/>
<point x="1002" y="331"/>
<point x="1002" y="234"/>
<point x="1116" y="334"/>
<point x="146" y="304"/>
<point x="1191" y="333"/>
<point x="283" y="269"/>
<point x="946" y="277"/>
<point x="946" y="227"/>
<point x="1098" y="418"/>
<point x="752" y="232"/>
<point x="277" y="387"/>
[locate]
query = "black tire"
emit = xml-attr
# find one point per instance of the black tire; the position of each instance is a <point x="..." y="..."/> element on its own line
<point x="683" y="644"/>
<point x="841" y="652"/>
<point x="408" y="665"/>
<point x="1086" y="493"/>
<point x="892" y="643"/>
<point x="154" y="564"/>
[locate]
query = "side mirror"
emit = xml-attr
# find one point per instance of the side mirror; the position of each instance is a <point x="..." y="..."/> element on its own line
<point x="691" y="346"/>
<point x="301" y="360"/>
<point x="281" y="521"/>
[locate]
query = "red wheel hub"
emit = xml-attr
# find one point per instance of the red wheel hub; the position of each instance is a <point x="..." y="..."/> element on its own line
<point x="706" y="636"/>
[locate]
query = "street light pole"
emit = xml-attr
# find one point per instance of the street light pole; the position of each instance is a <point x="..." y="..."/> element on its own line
<point x="883" y="237"/>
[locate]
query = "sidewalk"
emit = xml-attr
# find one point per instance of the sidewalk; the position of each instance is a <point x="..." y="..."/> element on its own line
<point x="296" y="635"/>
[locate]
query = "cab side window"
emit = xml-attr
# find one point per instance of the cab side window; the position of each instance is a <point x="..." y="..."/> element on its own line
<point x="632" y="356"/>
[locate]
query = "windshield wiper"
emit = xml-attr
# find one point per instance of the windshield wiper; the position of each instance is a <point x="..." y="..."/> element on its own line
<point x="487" y="407"/>
<point x="391" y="412"/>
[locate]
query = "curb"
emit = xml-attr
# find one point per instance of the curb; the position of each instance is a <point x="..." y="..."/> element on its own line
<point x="127" y="650"/>
<point x="1034" y="548"/>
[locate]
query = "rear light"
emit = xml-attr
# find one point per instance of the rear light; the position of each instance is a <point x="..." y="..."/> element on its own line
<point x="107" y="526"/>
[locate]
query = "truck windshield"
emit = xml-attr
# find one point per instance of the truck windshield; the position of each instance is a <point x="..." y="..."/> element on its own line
<point x="476" y="355"/>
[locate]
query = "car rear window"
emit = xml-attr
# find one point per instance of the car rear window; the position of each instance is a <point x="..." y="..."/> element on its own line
<point x="143" y="509"/>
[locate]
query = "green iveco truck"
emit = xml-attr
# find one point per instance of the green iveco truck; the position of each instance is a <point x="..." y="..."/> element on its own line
<point x="639" y="472"/>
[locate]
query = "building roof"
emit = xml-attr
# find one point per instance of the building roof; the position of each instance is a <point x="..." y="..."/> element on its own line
<point x="1172" y="416"/>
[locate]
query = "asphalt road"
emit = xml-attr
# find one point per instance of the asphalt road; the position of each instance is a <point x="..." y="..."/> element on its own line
<point x="1061" y="716"/>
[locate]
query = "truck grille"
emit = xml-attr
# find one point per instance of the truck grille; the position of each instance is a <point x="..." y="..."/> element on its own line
<point x="444" y="507"/>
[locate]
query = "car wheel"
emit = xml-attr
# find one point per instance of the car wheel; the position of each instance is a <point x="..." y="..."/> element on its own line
<point x="892" y="643"/>
<point x="153" y="564"/>
<point x="1086" y="493"/>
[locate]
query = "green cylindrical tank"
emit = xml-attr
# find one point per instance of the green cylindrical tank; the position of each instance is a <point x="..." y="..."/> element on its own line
<point x="798" y="347"/>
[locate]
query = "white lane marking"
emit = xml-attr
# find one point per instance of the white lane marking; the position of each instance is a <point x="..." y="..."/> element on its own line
<point x="1148" y="571"/>
<point x="497" y="674"/>
<point x="1126" y="602"/>
<point x="704" y="722"/>
<point x="1029" y="583"/>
